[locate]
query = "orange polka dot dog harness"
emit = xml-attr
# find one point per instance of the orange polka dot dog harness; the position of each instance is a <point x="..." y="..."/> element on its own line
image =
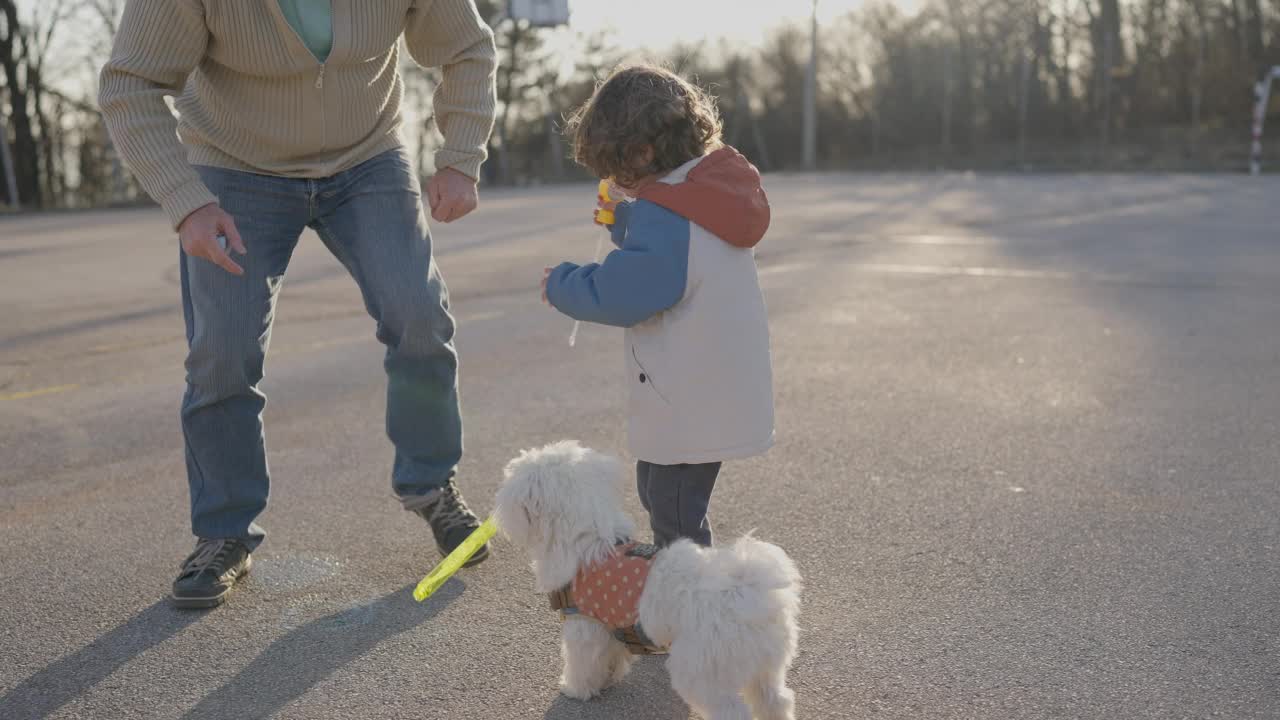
<point x="609" y="593"/>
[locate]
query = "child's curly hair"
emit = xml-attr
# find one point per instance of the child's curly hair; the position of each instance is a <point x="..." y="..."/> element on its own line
<point x="643" y="106"/>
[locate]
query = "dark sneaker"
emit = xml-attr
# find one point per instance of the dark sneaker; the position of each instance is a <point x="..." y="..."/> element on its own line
<point x="451" y="521"/>
<point x="209" y="573"/>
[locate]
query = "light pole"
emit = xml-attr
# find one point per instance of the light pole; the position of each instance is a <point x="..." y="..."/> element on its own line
<point x="811" y="98"/>
<point x="1262" y="93"/>
<point x="6" y="164"/>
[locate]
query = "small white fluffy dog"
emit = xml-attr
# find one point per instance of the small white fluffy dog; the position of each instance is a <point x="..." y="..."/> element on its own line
<point x="727" y="615"/>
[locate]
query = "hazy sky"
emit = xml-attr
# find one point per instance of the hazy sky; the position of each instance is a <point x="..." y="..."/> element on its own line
<point x="661" y="22"/>
<point x="637" y="24"/>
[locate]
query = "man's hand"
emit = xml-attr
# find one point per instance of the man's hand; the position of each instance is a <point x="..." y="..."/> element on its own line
<point x="546" y="275"/>
<point x="452" y="195"/>
<point x="199" y="236"/>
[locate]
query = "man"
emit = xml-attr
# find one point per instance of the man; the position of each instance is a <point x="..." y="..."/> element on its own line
<point x="289" y="118"/>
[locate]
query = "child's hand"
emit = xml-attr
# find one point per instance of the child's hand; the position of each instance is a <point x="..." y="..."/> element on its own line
<point x="546" y="274"/>
<point x="608" y="206"/>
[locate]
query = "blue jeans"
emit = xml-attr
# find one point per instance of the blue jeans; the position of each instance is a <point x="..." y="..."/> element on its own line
<point x="371" y="219"/>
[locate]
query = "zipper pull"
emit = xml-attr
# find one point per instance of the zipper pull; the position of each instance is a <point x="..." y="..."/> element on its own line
<point x="320" y="78"/>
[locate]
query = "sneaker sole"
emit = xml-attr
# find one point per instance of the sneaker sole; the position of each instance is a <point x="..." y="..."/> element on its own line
<point x="210" y="601"/>
<point x="481" y="555"/>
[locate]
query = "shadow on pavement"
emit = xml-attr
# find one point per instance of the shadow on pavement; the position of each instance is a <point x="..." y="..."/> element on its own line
<point x="645" y="692"/>
<point x="71" y="676"/>
<point x="298" y="661"/>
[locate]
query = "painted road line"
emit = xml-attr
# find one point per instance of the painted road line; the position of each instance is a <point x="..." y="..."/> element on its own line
<point x="1183" y="201"/>
<point x="909" y="239"/>
<point x="37" y="393"/>
<point x="478" y="317"/>
<point x="782" y="268"/>
<point x="945" y="240"/>
<point x="138" y="345"/>
<point x="335" y="342"/>
<point x="960" y="271"/>
<point x="994" y="272"/>
<point x="319" y="345"/>
<point x="970" y="271"/>
<point x="365" y="337"/>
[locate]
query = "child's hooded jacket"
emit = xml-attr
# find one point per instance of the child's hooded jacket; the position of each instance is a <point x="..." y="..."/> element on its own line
<point x="683" y="282"/>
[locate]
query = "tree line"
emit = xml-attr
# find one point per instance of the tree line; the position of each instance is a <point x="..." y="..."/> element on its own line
<point x="955" y="84"/>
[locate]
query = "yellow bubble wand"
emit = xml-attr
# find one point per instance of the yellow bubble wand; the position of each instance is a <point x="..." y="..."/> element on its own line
<point x="604" y="216"/>
<point x="441" y="573"/>
<point x="455" y="560"/>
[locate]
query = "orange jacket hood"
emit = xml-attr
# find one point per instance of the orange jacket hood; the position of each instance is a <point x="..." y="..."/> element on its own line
<point x="722" y="193"/>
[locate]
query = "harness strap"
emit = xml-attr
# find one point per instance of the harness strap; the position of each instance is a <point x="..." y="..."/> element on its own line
<point x="634" y="637"/>
<point x="637" y="641"/>
<point x="560" y="599"/>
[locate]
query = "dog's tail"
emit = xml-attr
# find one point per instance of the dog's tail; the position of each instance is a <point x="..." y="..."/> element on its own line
<point x="767" y="579"/>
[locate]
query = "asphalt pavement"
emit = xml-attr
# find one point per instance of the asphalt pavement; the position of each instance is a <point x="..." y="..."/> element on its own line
<point x="1027" y="462"/>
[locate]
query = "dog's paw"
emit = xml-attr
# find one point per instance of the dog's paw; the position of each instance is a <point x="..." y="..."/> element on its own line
<point x="620" y="668"/>
<point x="577" y="693"/>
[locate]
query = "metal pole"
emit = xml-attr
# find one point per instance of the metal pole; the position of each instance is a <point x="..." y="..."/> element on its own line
<point x="504" y="152"/>
<point x="1024" y="100"/>
<point x="10" y="180"/>
<point x="946" y="101"/>
<point x="1107" y="54"/>
<point x="761" y="145"/>
<point x="811" y="98"/>
<point x="555" y="147"/>
<point x="1261" y="91"/>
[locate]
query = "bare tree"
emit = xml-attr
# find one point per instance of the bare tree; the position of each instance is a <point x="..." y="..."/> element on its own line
<point x="14" y="51"/>
<point x="987" y="81"/>
<point x="25" y="50"/>
<point x="104" y="15"/>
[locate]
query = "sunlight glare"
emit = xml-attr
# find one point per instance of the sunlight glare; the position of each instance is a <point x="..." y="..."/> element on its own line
<point x="656" y="24"/>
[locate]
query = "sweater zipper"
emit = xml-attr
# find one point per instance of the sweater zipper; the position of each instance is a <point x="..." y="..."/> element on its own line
<point x="319" y="84"/>
<point x="324" y="126"/>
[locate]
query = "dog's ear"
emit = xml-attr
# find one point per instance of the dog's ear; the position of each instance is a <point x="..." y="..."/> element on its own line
<point x="515" y="507"/>
<point x="511" y="515"/>
<point x="602" y="478"/>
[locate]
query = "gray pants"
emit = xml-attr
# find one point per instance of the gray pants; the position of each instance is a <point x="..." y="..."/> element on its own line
<point x="676" y="498"/>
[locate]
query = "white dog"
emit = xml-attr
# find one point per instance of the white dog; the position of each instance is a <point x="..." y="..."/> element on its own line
<point x="727" y="616"/>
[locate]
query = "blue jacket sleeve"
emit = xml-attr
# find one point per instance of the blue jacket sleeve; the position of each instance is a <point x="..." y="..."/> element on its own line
<point x="621" y="218"/>
<point x="635" y="282"/>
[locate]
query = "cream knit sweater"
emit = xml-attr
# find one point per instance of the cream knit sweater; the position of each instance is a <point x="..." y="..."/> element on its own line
<point x="252" y="97"/>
